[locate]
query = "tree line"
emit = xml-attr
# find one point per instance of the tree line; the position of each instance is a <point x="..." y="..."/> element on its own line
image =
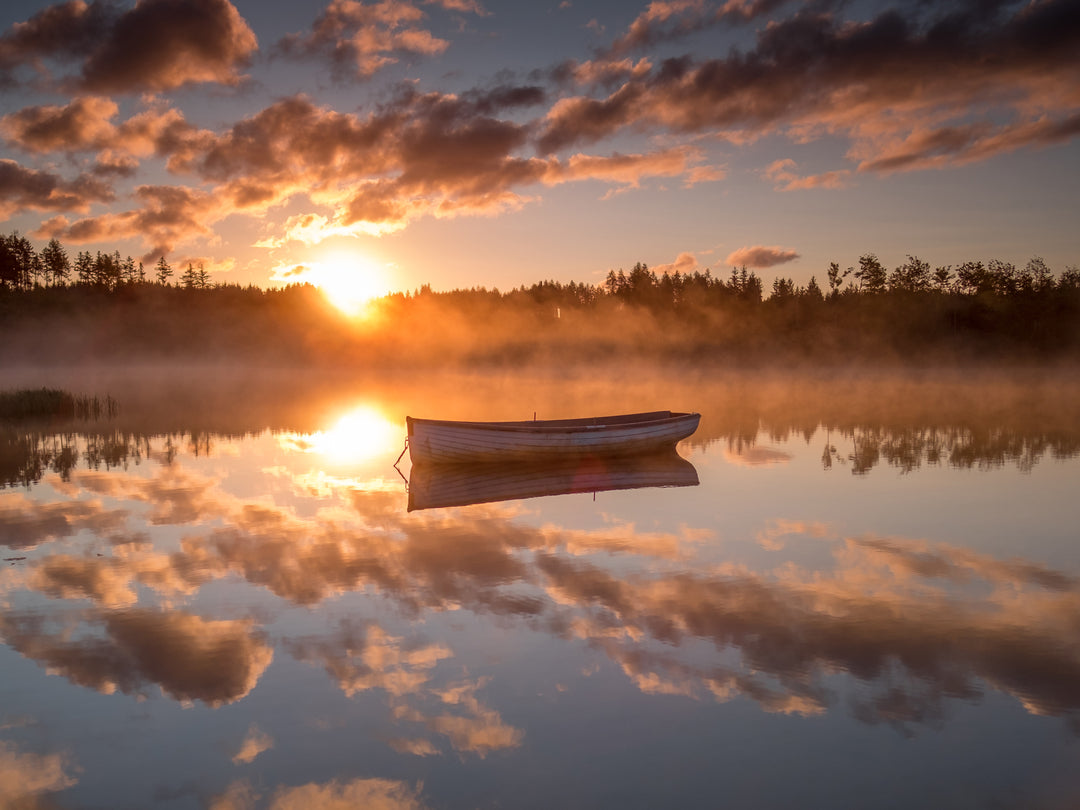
<point x="105" y="306"/>
<point x="24" y="268"/>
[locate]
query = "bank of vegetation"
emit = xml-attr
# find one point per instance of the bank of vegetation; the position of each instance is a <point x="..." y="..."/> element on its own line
<point x="109" y="309"/>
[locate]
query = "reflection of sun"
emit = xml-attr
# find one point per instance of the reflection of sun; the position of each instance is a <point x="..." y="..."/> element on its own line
<point x="348" y="281"/>
<point x="361" y="434"/>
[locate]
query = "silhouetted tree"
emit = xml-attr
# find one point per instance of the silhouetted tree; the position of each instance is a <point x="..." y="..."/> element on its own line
<point x="943" y="279"/>
<point x="84" y="267"/>
<point x="972" y="278"/>
<point x="190" y="279"/>
<point x="871" y="274"/>
<point x="836" y="279"/>
<point x="57" y="265"/>
<point x="162" y="271"/>
<point x="912" y="276"/>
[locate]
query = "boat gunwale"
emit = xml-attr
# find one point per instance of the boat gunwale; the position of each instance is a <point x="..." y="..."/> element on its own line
<point x="587" y="424"/>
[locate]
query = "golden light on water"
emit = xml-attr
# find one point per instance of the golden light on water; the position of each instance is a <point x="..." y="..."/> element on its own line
<point x="349" y="281"/>
<point x="359" y="435"/>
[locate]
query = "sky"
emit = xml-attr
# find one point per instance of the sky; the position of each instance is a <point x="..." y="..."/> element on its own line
<point x="481" y="143"/>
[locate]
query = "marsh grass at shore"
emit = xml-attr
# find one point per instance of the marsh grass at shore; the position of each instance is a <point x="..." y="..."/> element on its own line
<point x="40" y="403"/>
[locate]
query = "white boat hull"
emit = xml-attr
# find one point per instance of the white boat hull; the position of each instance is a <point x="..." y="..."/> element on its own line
<point x="433" y="441"/>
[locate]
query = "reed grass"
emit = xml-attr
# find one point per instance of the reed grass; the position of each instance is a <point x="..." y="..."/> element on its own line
<point x="36" y="403"/>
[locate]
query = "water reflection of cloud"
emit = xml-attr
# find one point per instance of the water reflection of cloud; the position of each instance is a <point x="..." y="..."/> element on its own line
<point x="255" y="742"/>
<point x="371" y="794"/>
<point x="919" y="624"/>
<point x="25" y="523"/>
<point x="190" y="658"/>
<point x="175" y="496"/>
<point x="755" y="456"/>
<point x="864" y="620"/>
<point x="359" y="658"/>
<point x="25" y="777"/>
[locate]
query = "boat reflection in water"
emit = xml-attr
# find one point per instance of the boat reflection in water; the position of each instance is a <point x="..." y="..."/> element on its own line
<point x="442" y="485"/>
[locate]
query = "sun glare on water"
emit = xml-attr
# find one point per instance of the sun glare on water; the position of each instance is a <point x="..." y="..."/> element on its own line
<point x="349" y="282"/>
<point x="359" y="435"/>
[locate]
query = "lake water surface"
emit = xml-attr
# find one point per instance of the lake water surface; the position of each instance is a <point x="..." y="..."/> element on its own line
<point x="864" y="593"/>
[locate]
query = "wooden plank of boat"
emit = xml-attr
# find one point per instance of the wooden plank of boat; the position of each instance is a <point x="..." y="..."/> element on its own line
<point x="442" y="485"/>
<point x="435" y="441"/>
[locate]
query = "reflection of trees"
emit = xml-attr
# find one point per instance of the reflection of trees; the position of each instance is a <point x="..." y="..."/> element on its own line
<point x="26" y="457"/>
<point x="908" y="449"/>
<point x="902" y="421"/>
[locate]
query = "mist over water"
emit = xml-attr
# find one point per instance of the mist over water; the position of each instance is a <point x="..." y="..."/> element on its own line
<point x="218" y="597"/>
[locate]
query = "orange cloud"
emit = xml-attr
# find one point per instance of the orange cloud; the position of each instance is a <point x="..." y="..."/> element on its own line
<point x="782" y="174"/>
<point x="359" y="39"/>
<point x="684" y="263"/>
<point x="760" y="256"/>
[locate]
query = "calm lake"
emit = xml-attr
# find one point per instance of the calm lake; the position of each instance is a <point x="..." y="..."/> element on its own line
<point x="854" y="592"/>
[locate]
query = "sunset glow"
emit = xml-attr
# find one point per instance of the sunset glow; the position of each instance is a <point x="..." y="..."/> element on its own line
<point x="487" y="143"/>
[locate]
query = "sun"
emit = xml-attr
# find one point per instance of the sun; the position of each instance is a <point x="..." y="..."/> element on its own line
<point x="348" y="281"/>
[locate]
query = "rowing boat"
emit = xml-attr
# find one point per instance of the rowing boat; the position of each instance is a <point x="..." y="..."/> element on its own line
<point x="441" y="485"/>
<point x="436" y="441"/>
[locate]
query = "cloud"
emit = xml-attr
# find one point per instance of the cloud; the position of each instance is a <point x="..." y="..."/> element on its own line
<point x="360" y="39"/>
<point x="163" y="44"/>
<point x="466" y="6"/>
<point x="760" y="256"/>
<point x="170" y="215"/>
<point x="662" y="20"/>
<point x="783" y="174"/>
<point x="69" y="30"/>
<point x="684" y="263"/>
<point x="84" y="123"/>
<point x="156" y="45"/>
<point x="904" y="91"/>
<point x="23" y="189"/>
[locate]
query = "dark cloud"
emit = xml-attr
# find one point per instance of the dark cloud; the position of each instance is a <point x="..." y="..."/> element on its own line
<point x="23" y="189"/>
<point x="877" y="82"/>
<point x="63" y="31"/>
<point x="163" y="44"/>
<point x="156" y="45"/>
<point x="168" y="216"/>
